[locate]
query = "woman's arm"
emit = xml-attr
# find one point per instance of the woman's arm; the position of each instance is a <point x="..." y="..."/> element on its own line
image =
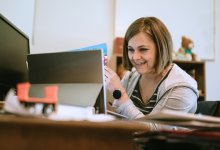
<point x="179" y="98"/>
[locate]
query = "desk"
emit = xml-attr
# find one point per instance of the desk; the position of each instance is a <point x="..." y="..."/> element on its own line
<point x="36" y="133"/>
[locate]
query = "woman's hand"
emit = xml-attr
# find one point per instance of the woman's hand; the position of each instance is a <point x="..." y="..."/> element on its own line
<point x="113" y="81"/>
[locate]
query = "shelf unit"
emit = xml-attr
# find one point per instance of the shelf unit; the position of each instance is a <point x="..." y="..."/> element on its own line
<point x="197" y="70"/>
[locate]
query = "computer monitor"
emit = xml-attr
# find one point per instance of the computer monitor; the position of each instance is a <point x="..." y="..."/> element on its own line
<point x="14" y="47"/>
<point x="66" y="67"/>
<point x="78" y="74"/>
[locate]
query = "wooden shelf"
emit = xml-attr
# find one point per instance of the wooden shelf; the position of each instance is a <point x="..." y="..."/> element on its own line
<point x="197" y="70"/>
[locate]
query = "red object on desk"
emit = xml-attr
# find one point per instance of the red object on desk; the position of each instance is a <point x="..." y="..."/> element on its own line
<point x="49" y="91"/>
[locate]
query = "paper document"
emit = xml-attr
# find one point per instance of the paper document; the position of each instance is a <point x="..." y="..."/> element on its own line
<point x="183" y="119"/>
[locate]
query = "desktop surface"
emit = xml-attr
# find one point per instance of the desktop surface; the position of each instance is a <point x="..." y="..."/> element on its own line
<point x="39" y="133"/>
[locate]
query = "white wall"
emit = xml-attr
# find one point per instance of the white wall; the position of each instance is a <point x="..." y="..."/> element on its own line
<point x="68" y="24"/>
<point x="179" y="17"/>
<point x="212" y="67"/>
<point x="19" y="13"/>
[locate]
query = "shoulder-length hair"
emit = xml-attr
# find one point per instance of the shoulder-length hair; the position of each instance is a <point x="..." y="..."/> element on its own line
<point x="158" y="32"/>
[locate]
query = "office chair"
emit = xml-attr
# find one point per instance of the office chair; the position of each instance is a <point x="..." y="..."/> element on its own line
<point x="211" y="108"/>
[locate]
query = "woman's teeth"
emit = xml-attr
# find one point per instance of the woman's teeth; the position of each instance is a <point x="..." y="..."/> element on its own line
<point x="141" y="63"/>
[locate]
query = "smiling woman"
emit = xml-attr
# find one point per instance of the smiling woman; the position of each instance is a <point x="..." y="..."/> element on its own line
<point x="153" y="83"/>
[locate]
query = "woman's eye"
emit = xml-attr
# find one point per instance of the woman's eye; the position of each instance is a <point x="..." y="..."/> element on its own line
<point x="130" y="50"/>
<point x="143" y="49"/>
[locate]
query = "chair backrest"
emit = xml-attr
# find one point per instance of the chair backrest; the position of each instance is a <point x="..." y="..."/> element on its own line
<point x="211" y="108"/>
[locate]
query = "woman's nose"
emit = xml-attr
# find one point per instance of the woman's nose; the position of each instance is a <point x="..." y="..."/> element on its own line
<point x="136" y="55"/>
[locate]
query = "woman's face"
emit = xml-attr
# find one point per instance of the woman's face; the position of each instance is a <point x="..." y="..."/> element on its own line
<point x="142" y="53"/>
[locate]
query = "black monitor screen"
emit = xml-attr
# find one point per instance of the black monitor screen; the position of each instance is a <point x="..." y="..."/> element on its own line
<point x="14" y="47"/>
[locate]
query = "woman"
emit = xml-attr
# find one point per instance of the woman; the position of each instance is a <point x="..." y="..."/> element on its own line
<point x="153" y="82"/>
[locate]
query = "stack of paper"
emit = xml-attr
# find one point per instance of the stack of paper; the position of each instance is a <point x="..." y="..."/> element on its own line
<point x="176" y="118"/>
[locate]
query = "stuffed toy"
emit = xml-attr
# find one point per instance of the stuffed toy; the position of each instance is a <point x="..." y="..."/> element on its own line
<point x="185" y="51"/>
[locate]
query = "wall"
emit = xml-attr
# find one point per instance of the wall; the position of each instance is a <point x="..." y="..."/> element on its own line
<point x="67" y="24"/>
<point x="177" y="16"/>
<point x="212" y="71"/>
<point x="62" y="25"/>
<point x="19" y="13"/>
